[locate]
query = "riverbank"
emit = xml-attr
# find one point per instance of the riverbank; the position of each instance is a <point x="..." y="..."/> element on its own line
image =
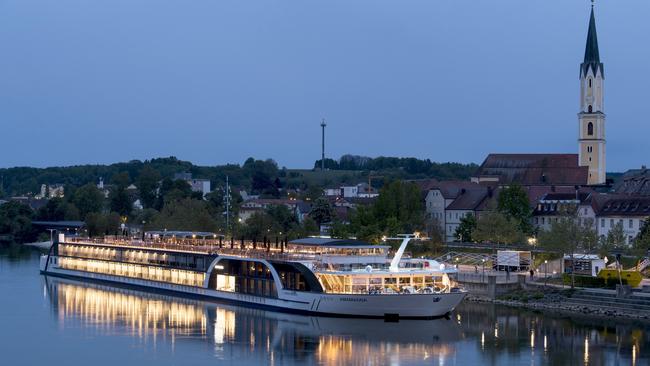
<point x="560" y="301"/>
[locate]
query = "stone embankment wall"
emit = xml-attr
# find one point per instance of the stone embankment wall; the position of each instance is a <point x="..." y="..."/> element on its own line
<point x="491" y="285"/>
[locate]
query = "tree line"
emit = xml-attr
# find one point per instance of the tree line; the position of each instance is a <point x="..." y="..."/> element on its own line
<point x="408" y="168"/>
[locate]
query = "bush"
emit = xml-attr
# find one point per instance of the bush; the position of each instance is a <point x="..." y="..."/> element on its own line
<point x="588" y="281"/>
<point x="537" y="295"/>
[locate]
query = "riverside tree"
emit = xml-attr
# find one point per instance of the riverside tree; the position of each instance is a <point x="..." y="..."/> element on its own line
<point x="614" y="241"/>
<point x="466" y="228"/>
<point x="568" y="234"/>
<point x="321" y="211"/>
<point x="513" y="203"/>
<point x="185" y="214"/>
<point x="88" y="199"/>
<point x="495" y="227"/>
<point x="119" y="197"/>
<point x="399" y="207"/>
<point x="641" y="243"/>
<point x="16" y="221"/>
<point x="147" y="183"/>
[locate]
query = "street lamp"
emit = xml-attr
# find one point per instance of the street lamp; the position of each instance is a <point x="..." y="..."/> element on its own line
<point x="51" y="235"/>
<point x="545" y="271"/>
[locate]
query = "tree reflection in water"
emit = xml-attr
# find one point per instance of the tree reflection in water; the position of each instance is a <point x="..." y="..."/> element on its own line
<point x="476" y="333"/>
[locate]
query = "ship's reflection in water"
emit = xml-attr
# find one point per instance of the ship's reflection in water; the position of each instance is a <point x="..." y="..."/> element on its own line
<point x="475" y="334"/>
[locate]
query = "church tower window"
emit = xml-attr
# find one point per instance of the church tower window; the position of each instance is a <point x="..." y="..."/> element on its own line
<point x="590" y="129"/>
<point x="590" y="108"/>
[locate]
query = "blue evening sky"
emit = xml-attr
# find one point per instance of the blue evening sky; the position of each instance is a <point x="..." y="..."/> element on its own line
<point x="217" y="81"/>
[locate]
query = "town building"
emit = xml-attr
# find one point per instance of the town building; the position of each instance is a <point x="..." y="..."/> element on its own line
<point x="197" y="185"/>
<point x="469" y="202"/>
<point x="51" y="191"/>
<point x="447" y="202"/>
<point x="552" y="206"/>
<point x="245" y="196"/>
<point x="361" y="190"/>
<point x="634" y="181"/>
<point x="629" y="210"/>
<point x="248" y="208"/>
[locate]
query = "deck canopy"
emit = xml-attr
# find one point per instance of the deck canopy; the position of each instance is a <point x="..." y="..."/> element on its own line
<point x="334" y="243"/>
<point x="183" y="234"/>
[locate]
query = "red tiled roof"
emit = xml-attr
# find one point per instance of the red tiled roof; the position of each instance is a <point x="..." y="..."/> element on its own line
<point x="469" y="199"/>
<point x="534" y="169"/>
<point x="620" y="205"/>
<point x="450" y="189"/>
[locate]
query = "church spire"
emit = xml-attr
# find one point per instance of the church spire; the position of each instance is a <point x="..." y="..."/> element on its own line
<point x="591" y="119"/>
<point x="592" y="56"/>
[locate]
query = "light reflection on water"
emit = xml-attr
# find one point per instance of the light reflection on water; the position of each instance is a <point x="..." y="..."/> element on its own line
<point x="234" y="330"/>
<point x="89" y="323"/>
<point x="118" y="311"/>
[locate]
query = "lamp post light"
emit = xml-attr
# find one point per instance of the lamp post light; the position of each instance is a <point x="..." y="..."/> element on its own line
<point x="545" y="271"/>
<point x="51" y="235"/>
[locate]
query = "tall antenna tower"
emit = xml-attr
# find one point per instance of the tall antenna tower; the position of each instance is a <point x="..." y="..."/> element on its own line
<point x="322" y="160"/>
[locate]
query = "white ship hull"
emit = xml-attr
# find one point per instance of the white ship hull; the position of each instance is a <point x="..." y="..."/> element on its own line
<point x="343" y="305"/>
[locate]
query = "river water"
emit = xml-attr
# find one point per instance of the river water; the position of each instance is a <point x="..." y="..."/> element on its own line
<point x="51" y="321"/>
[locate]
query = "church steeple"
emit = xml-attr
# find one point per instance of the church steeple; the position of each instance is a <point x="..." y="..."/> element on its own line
<point x="591" y="119"/>
<point x="592" y="56"/>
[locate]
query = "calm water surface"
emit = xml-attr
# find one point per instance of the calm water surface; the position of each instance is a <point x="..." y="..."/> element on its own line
<point x="61" y="322"/>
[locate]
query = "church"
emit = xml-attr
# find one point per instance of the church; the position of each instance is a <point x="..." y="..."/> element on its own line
<point x="587" y="167"/>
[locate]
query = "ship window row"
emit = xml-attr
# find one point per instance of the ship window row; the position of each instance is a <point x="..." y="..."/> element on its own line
<point x="133" y="256"/>
<point x="337" y="251"/>
<point x="169" y="275"/>
<point x="348" y="284"/>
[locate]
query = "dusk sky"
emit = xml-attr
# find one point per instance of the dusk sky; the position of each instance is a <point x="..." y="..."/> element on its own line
<point x="216" y="81"/>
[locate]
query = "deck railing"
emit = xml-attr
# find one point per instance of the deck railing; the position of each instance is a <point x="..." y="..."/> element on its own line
<point x="235" y="248"/>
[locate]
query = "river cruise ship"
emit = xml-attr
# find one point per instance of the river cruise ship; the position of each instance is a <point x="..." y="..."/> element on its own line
<point x="338" y="277"/>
